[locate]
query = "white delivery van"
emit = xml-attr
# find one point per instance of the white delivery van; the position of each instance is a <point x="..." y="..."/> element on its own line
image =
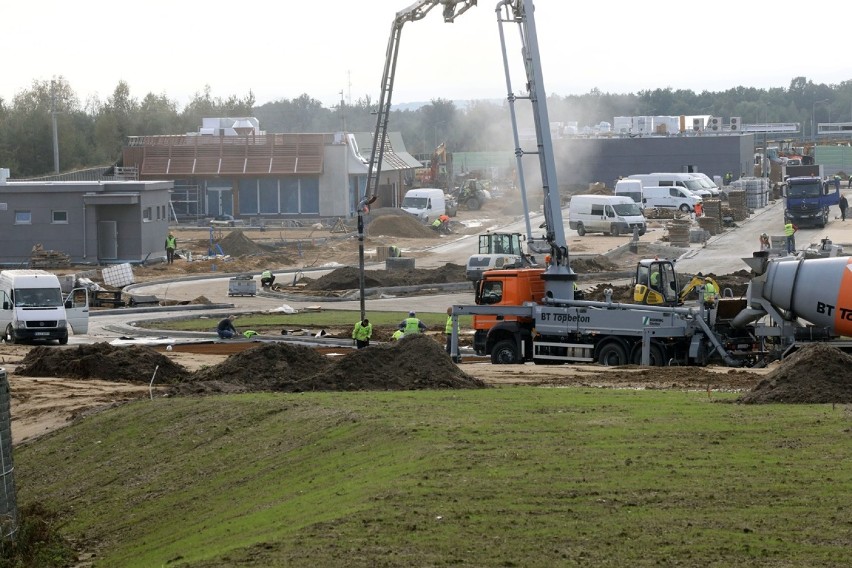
<point x="606" y="214"/>
<point x="631" y="188"/>
<point x="670" y="197"/>
<point x="34" y="309"/>
<point x="708" y="183"/>
<point x="686" y="181"/>
<point x="425" y="203"/>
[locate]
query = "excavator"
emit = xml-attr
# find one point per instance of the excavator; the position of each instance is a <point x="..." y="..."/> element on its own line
<point x="431" y="174"/>
<point x="656" y="284"/>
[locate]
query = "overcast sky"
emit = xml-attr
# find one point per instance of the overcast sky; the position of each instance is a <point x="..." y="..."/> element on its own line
<point x="324" y="47"/>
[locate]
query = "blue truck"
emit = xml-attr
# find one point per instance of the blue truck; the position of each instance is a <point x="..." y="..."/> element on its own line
<point x="807" y="200"/>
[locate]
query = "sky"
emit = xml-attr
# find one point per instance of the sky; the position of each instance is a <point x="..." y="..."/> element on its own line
<point x="333" y="49"/>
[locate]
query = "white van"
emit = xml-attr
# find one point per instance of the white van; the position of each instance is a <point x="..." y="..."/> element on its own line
<point x="33" y="308"/>
<point x="670" y="197"/>
<point x="605" y="214"/>
<point x="708" y="183"/>
<point x="631" y="188"/>
<point x="425" y="203"/>
<point x="686" y="181"/>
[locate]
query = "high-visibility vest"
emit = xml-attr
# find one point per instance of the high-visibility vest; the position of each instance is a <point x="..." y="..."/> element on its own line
<point x="171" y="242"/>
<point x="448" y="329"/>
<point x="436" y="223"/>
<point x="266" y="274"/>
<point x="398" y="334"/>
<point x="362" y="332"/>
<point x="789" y="230"/>
<point x="709" y="292"/>
<point x="412" y="325"/>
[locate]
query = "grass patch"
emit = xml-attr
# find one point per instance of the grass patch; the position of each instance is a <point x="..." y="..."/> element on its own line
<point x="499" y="477"/>
<point x="325" y="318"/>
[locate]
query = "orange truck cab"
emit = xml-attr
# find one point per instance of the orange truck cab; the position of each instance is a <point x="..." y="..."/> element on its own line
<point x="512" y="287"/>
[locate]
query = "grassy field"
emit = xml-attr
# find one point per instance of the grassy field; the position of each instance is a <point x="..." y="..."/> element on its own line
<point x="325" y="318"/>
<point x="515" y="476"/>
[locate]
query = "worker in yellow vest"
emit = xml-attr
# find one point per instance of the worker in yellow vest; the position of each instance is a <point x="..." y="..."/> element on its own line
<point x="362" y="333"/>
<point x="448" y="329"/>
<point x="412" y="325"/>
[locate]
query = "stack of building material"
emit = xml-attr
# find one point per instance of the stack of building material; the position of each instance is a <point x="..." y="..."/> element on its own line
<point x="651" y="213"/>
<point x="711" y="220"/>
<point x="679" y="232"/>
<point x="738" y="205"/>
<point x="41" y="258"/>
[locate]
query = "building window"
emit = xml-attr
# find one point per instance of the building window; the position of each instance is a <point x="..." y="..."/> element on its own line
<point x="60" y="217"/>
<point x="146" y="215"/>
<point x="23" y="218"/>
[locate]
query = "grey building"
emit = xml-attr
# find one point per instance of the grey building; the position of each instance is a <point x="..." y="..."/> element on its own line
<point x="580" y="161"/>
<point x="91" y="222"/>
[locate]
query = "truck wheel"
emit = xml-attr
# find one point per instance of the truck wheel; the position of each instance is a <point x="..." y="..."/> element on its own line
<point x="9" y="336"/>
<point x="615" y="230"/>
<point x="657" y="355"/>
<point x="612" y="355"/>
<point x="63" y="340"/>
<point x="641" y="232"/>
<point x="505" y="353"/>
<point x="685" y="208"/>
<point x="472" y="204"/>
<point x="581" y="230"/>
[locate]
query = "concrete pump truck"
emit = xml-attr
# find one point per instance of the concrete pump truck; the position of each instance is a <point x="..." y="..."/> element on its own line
<point x="532" y="314"/>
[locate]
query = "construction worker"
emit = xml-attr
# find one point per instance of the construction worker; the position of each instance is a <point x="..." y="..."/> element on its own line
<point x="412" y="324"/>
<point x="790" y="232"/>
<point x="448" y="329"/>
<point x="710" y="292"/>
<point x="699" y="210"/>
<point x="267" y="278"/>
<point x="362" y="333"/>
<point x="171" y="245"/>
<point x="397" y="335"/>
<point x="394" y="252"/>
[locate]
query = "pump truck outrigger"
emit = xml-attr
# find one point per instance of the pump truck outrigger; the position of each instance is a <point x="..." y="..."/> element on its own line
<point x="531" y="314"/>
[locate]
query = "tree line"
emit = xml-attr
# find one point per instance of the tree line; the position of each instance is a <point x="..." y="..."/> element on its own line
<point x="92" y="133"/>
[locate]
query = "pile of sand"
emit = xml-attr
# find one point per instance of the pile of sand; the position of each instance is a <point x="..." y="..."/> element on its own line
<point x="413" y="363"/>
<point x="404" y="226"/>
<point x="816" y="374"/>
<point x="237" y="244"/>
<point x="346" y="278"/>
<point x="131" y="364"/>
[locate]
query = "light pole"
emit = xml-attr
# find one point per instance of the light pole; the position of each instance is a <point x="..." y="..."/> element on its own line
<point x="363" y="207"/>
<point x="435" y="131"/>
<point x="813" y="118"/>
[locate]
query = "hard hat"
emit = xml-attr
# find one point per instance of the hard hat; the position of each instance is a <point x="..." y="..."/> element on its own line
<point x="411" y="313"/>
<point x="763" y="235"/>
<point x="707" y="278"/>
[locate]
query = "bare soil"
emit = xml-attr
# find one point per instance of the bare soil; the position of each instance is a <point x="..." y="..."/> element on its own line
<point x="74" y="381"/>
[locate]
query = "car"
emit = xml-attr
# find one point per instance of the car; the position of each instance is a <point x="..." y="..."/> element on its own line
<point x="225" y="221"/>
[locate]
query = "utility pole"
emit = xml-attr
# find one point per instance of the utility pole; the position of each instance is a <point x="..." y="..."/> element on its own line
<point x="55" y="130"/>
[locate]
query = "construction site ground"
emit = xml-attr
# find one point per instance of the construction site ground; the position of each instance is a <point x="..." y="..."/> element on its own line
<point x="57" y="385"/>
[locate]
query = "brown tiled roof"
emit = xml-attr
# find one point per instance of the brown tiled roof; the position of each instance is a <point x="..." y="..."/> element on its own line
<point x="196" y="155"/>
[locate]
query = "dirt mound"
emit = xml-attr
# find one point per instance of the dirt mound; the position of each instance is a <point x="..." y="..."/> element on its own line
<point x="132" y="364"/>
<point x="413" y="363"/>
<point x="237" y="244"/>
<point x="346" y="278"/>
<point x="262" y="368"/>
<point x="599" y="263"/>
<point x="399" y="226"/>
<point x="816" y="374"/>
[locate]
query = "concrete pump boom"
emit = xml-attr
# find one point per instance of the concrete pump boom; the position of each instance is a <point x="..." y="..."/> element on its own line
<point x="416" y="11"/>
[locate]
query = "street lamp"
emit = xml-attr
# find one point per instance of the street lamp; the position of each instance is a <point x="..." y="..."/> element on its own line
<point x="363" y="207"/>
<point x="813" y="118"/>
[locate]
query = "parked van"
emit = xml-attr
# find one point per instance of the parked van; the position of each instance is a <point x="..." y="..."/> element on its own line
<point x="686" y="181"/>
<point x="670" y="197"/>
<point x="605" y="214"/>
<point x="425" y="203"/>
<point x="709" y="184"/>
<point x="34" y="309"/>
<point x="631" y="188"/>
